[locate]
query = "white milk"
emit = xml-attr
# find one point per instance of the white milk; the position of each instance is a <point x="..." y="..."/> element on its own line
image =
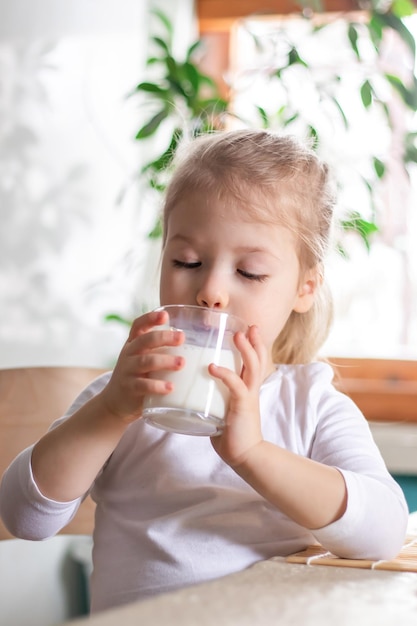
<point x="198" y="403"/>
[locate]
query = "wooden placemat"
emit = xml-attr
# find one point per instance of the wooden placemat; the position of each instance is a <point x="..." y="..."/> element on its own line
<point x="405" y="561"/>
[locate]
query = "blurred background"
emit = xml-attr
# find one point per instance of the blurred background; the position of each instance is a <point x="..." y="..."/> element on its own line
<point x="73" y="218"/>
<point x="76" y="215"/>
<point x="94" y="97"/>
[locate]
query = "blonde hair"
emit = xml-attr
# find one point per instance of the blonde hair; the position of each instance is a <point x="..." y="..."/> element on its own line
<point x="277" y="179"/>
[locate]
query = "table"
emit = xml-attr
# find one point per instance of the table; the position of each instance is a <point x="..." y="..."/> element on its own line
<point x="276" y="593"/>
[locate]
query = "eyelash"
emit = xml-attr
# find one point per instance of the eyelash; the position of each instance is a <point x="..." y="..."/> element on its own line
<point x="188" y="266"/>
<point x="260" y="278"/>
<point x="256" y="277"/>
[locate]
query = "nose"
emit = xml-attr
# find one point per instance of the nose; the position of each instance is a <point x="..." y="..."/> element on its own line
<point x="213" y="292"/>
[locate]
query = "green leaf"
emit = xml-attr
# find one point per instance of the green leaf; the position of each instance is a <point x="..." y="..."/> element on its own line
<point x="172" y="67"/>
<point x="313" y="134"/>
<point x="164" y="20"/>
<point x="341" y="111"/>
<point x="368" y="185"/>
<point x="342" y="251"/>
<point x="192" y="75"/>
<point x="410" y="154"/>
<point x="263" y="115"/>
<point x="408" y="95"/>
<point x="387" y="112"/>
<point x="375" y="28"/>
<point x="410" y="147"/>
<point x="402" y="8"/>
<point x="353" y="38"/>
<point x="152" y="60"/>
<point x="156" y="185"/>
<point x="291" y="119"/>
<point x="379" y="167"/>
<point x="365" y="229"/>
<point x="115" y="317"/>
<point x="162" y="44"/>
<point x="150" y="127"/>
<point x="151" y="88"/>
<point x="163" y="161"/>
<point x="156" y="232"/>
<point x="366" y="94"/>
<point x="178" y="88"/>
<point x="294" y="57"/>
<point x="208" y="81"/>
<point x="213" y="105"/>
<point x="197" y="44"/>
<point x="318" y="27"/>
<point x="392" y="21"/>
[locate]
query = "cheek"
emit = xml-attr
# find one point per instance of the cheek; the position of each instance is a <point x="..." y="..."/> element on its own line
<point x="264" y="317"/>
<point x="172" y="289"/>
<point x="165" y="284"/>
<point x="166" y="289"/>
<point x="273" y="321"/>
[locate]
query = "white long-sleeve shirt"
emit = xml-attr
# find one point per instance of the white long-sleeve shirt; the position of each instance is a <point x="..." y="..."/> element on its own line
<point x="171" y="513"/>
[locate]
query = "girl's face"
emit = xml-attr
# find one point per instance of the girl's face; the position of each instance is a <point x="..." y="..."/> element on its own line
<point x="247" y="268"/>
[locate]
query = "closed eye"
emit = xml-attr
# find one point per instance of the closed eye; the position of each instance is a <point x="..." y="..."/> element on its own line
<point x="259" y="277"/>
<point x="185" y="265"/>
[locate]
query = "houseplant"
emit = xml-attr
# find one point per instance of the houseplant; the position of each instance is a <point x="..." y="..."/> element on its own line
<point x="178" y="99"/>
<point x="183" y="100"/>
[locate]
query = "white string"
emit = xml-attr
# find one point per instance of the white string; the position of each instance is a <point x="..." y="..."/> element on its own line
<point x="405" y="546"/>
<point x="410" y="543"/>
<point x="316" y="557"/>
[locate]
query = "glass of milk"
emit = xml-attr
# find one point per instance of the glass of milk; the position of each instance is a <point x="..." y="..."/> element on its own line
<point x="198" y="403"/>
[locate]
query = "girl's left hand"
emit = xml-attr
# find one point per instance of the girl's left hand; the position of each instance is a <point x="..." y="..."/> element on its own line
<point x="242" y="429"/>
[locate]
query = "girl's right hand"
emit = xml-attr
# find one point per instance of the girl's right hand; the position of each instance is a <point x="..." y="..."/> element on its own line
<point x="130" y="381"/>
<point x="67" y="459"/>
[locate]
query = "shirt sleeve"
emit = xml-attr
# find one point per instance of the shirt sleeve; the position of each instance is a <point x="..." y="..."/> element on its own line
<point x="374" y="524"/>
<point x="375" y="521"/>
<point x="24" y="510"/>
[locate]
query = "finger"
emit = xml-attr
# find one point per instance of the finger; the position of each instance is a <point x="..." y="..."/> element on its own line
<point x="157" y="361"/>
<point x="133" y="391"/>
<point x="152" y="386"/>
<point x="155" y="339"/>
<point x="250" y="350"/>
<point x="232" y="381"/>
<point x="257" y="343"/>
<point x="146" y="322"/>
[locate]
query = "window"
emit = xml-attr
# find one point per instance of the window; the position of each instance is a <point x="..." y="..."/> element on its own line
<point x="375" y="292"/>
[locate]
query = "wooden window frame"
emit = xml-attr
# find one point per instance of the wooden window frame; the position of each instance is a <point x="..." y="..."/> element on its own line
<point x="217" y="17"/>
<point x="384" y="389"/>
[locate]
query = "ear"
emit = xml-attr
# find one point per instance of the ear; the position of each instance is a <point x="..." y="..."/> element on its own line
<point x="309" y="284"/>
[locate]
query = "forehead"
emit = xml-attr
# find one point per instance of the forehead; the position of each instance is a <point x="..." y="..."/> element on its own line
<point x="206" y="223"/>
<point x="247" y="205"/>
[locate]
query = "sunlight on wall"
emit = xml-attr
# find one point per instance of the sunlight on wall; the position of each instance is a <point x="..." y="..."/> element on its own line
<point x="69" y="197"/>
<point x="73" y="244"/>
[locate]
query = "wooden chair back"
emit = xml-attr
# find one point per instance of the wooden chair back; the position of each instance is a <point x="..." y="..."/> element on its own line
<point x="30" y="400"/>
<point x="384" y="389"/>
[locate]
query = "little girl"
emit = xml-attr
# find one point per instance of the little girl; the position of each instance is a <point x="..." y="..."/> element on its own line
<point x="247" y="222"/>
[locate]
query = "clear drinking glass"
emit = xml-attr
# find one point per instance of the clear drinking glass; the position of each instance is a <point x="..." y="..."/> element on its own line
<point x="198" y="403"/>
